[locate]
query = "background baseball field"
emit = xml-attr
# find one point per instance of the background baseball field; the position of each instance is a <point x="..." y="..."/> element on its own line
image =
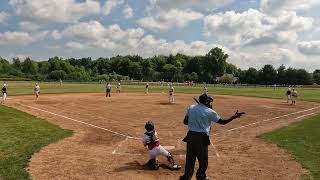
<point x="22" y="134"/>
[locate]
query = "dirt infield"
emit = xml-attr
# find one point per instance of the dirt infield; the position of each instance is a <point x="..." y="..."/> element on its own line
<point x="106" y="143"/>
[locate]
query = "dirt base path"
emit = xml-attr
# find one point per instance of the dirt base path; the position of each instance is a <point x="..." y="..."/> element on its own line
<point x="106" y="143"/>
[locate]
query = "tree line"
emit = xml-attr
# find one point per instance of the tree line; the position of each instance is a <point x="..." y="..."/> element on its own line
<point x="178" y="68"/>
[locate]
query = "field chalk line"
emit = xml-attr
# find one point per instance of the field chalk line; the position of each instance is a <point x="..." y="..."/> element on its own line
<point x="119" y="145"/>
<point x="88" y="124"/>
<point x="304" y="116"/>
<point x="266" y="120"/>
<point x="131" y="137"/>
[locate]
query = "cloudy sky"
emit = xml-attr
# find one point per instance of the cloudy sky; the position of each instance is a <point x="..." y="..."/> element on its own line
<point x="252" y="32"/>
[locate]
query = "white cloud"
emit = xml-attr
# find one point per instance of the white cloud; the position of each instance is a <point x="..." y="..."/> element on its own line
<point x="274" y="56"/>
<point x="56" y="34"/>
<point x="111" y="4"/>
<point x="3" y="17"/>
<point x="86" y="30"/>
<point x="309" y="47"/>
<point x="94" y="31"/>
<point x="102" y="43"/>
<point x="94" y="34"/>
<point x="52" y="46"/>
<point x="150" y="46"/>
<point x="190" y="4"/>
<point x="55" y="10"/>
<point x="276" y="6"/>
<point x="10" y="56"/>
<point x="28" y="26"/>
<point x="15" y="38"/>
<point x="40" y="35"/>
<point x="127" y="12"/>
<point x="75" y="45"/>
<point x="163" y="20"/>
<point x="253" y="27"/>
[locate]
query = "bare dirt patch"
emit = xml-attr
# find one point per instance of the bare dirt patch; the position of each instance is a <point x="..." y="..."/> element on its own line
<point x="106" y="143"/>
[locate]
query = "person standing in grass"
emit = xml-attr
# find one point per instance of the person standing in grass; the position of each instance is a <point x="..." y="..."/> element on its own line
<point x="4" y="93"/>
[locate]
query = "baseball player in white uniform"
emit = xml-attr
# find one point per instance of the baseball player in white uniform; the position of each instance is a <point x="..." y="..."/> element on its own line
<point x="150" y="139"/>
<point x="37" y="90"/>
<point x="118" y="87"/>
<point x="171" y="94"/>
<point x="289" y="95"/>
<point x="108" y="89"/>
<point x="4" y="93"/>
<point x="294" y="95"/>
<point x="205" y="89"/>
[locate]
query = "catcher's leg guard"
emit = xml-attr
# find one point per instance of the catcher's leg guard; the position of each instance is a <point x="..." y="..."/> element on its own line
<point x="173" y="165"/>
<point x="154" y="164"/>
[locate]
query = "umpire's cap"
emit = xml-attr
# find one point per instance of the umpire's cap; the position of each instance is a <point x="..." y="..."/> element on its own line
<point x="204" y="98"/>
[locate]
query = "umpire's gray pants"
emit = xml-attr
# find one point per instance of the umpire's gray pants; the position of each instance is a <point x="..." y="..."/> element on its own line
<point x="196" y="148"/>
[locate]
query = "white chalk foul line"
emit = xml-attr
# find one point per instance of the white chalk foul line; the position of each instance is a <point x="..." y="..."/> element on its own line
<point x="247" y="125"/>
<point x="215" y="149"/>
<point x="88" y="124"/>
<point x="119" y="145"/>
<point x="310" y="114"/>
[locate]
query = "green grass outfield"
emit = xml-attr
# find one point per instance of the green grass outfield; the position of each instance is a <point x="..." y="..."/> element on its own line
<point x="302" y="140"/>
<point x="21" y="135"/>
<point x="22" y="88"/>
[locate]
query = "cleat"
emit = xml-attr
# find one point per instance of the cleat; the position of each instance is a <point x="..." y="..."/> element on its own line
<point x="175" y="167"/>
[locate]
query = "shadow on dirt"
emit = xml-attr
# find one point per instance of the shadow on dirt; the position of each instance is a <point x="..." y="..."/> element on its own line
<point x="167" y="103"/>
<point x="136" y="166"/>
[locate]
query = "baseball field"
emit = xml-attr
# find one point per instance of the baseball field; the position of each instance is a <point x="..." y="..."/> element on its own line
<point x="106" y="140"/>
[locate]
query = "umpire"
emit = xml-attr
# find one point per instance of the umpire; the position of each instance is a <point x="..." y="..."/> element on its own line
<point x="198" y="118"/>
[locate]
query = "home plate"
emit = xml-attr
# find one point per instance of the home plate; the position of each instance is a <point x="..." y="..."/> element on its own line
<point x="168" y="147"/>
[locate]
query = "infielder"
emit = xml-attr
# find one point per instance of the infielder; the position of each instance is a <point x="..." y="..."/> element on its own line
<point x="171" y="94"/>
<point x="294" y="95"/>
<point x="118" y="87"/>
<point x="205" y="89"/>
<point x="147" y="88"/>
<point x="151" y="140"/>
<point x="4" y="93"/>
<point x="108" y="89"/>
<point x="37" y="90"/>
<point x="288" y="94"/>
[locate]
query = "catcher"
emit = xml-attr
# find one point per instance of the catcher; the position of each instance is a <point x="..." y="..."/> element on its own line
<point x="151" y="140"/>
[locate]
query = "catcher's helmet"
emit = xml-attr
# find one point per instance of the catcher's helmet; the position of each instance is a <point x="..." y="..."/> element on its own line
<point x="205" y="98"/>
<point x="149" y="126"/>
